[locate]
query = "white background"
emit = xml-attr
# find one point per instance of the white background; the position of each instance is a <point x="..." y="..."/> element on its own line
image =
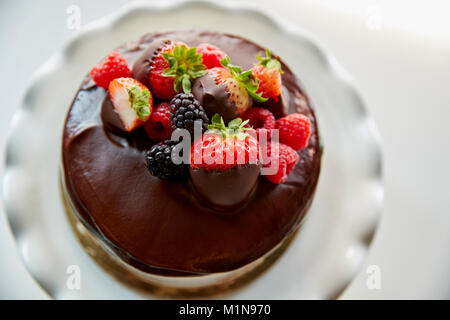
<point x="399" y="55"/>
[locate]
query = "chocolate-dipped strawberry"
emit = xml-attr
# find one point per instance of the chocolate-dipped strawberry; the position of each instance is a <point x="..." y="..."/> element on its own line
<point x="224" y="165"/>
<point x="168" y="67"/>
<point x="227" y="91"/>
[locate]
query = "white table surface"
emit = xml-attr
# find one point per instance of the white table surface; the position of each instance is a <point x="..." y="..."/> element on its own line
<point x="399" y="55"/>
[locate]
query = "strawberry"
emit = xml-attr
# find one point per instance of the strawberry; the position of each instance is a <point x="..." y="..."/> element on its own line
<point x="112" y="67"/>
<point x="211" y="55"/>
<point x="132" y="101"/>
<point x="227" y="91"/>
<point x="224" y="147"/>
<point x="224" y="165"/>
<point x="173" y="68"/>
<point x="268" y="72"/>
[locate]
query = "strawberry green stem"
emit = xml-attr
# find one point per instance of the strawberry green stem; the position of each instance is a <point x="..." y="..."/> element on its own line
<point x="236" y="127"/>
<point x="185" y="65"/>
<point x="246" y="79"/>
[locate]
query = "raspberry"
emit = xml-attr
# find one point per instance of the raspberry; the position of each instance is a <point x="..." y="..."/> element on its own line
<point x="114" y="66"/>
<point x="262" y="120"/>
<point x="185" y="111"/>
<point x="159" y="126"/>
<point x="211" y="55"/>
<point x="159" y="161"/>
<point x="294" y="130"/>
<point x="286" y="161"/>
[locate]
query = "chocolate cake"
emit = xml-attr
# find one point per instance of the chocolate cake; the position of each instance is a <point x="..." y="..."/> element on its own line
<point x="168" y="227"/>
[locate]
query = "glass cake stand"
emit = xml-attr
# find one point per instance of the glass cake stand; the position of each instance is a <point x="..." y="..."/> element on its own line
<point x="320" y="260"/>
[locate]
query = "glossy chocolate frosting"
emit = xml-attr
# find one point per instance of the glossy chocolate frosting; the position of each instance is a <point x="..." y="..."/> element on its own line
<point x="232" y="188"/>
<point x="163" y="226"/>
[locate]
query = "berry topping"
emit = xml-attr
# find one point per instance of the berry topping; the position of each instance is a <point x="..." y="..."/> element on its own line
<point x="226" y="90"/>
<point x="159" y="161"/>
<point x="235" y="94"/>
<point x="114" y="66"/>
<point x="185" y="111"/>
<point x="132" y="101"/>
<point x="294" y="130"/>
<point x="211" y="55"/>
<point x="245" y="79"/>
<point x="159" y="126"/>
<point x="268" y="71"/>
<point x="261" y="120"/>
<point x="173" y="68"/>
<point x="224" y="147"/>
<point x="282" y="157"/>
<point x="162" y="86"/>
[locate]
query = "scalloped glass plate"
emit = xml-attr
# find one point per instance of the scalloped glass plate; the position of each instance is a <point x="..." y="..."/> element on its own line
<point x="336" y="235"/>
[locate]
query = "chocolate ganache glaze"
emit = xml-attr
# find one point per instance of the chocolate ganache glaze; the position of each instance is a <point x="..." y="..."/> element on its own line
<point x="161" y="226"/>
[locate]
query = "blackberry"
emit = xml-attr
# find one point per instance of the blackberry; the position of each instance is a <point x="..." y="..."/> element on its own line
<point x="185" y="110"/>
<point x="159" y="161"/>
